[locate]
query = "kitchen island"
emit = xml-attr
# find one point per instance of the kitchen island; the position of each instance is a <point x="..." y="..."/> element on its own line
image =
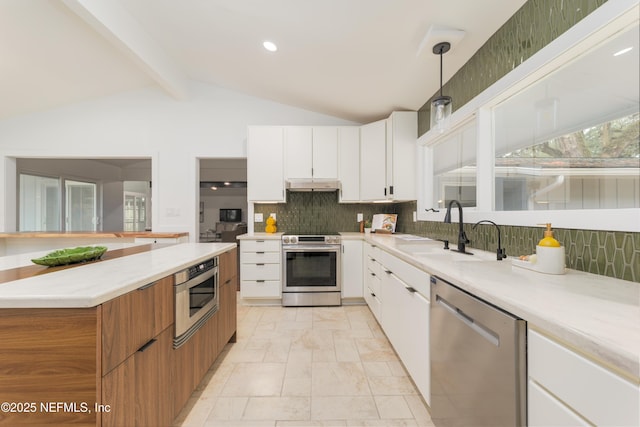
<point x="93" y="344"/>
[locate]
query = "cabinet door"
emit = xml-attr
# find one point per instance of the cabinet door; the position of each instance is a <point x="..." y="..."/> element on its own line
<point x="373" y="161"/>
<point x="352" y="265"/>
<point x="325" y="152"/>
<point x="227" y="312"/>
<point x="265" y="164"/>
<point x="153" y="383"/>
<point x="298" y="152"/>
<point x="349" y="163"/>
<point x="119" y="392"/>
<point x="131" y="320"/>
<point x="402" y="134"/>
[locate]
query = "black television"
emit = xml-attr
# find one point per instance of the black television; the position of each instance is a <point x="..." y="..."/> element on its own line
<point x="230" y="215"/>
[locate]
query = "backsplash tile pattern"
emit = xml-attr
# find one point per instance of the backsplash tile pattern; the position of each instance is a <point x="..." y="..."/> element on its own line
<point x="532" y="27"/>
<point x="607" y="253"/>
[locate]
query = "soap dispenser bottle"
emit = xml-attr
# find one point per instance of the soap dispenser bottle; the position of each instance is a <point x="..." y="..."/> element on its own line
<point x="550" y="254"/>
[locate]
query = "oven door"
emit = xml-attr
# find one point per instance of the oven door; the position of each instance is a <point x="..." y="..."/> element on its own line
<point x="312" y="268"/>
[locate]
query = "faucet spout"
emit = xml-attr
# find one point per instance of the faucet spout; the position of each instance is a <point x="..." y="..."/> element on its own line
<point x="500" y="252"/>
<point x="462" y="237"/>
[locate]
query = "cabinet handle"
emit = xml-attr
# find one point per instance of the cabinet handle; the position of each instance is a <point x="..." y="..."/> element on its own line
<point x="261" y="264"/>
<point x="147" y="345"/>
<point x="391" y="190"/>
<point x="410" y="289"/>
<point x="148" y="285"/>
<point x="260" y="281"/>
<point x="388" y="271"/>
<point x="373" y="274"/>
<point x="259" y="241"/>
<point x="372" y="294"/>
<point x="227" y="282"/>
<point x="260" y="252"/>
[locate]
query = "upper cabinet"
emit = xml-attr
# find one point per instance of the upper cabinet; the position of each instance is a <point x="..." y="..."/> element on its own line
<point x="373" y="162"/>
<point x="388" y="158"/>
<point x="265" y="164"/>
<point x="349" y="163"/>
<point x="311" y="152"/>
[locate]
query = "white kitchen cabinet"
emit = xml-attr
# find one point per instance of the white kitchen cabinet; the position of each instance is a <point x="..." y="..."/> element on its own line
<point x="372" y="280"/>
<point x="325" y="152"/>
<point x="401" y="155"/>
<point x="352" y="269"/>
<point x="260" y="269"/>
<point x="373" y="161"/>
<point x="565" y="387"/>
<point x="405" y="318"/>
<point x="265" y="164"/>
<point x="388" y="158"/>
<point x="349" y="163"/>
<point x="311" y="152"/>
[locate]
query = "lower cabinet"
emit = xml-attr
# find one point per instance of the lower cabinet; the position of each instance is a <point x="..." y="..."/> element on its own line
<point x="567" y="389"/>
<point x="351" y="266"/>
<point x="137" y="390"/>
<point x="227" y="315"/>
<point x="397" y="294"/>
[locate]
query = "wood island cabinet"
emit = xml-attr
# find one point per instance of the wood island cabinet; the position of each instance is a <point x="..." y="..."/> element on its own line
<point x="110" y="365"/>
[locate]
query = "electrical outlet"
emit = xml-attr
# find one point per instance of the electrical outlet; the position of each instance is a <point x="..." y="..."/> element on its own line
<point x="257" y="217"/>
<point x="415" y="216"/>
<point x="273" y="215"/>
<point x="359" y="217"/>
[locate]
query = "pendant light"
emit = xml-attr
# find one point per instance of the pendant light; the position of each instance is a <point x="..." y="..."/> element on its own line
<point x="441" y="105"/>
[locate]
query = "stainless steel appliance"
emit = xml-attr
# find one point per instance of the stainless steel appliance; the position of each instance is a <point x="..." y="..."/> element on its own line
<point x="311" y="274"/>
<point x="478" y="361"/>
<point x="196" y="299"/>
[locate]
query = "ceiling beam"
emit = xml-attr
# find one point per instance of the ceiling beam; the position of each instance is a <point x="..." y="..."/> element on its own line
<point x="114" y="23"/>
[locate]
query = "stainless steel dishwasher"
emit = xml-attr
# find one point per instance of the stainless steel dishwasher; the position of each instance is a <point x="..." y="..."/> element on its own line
<point x="478" y="361"/>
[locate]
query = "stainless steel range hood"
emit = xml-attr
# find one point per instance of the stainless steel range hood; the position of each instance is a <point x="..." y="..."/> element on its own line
<point x="310" y="184"/>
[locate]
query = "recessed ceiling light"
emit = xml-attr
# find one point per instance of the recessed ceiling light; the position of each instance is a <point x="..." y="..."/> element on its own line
<point x="227" y="183"/>
<point x="623" y="51"/>
<point x="270" y="46"/>
<point x="214" y="188"/>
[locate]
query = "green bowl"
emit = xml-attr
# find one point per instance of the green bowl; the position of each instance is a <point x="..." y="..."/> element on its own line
<point x="71" y="256"/>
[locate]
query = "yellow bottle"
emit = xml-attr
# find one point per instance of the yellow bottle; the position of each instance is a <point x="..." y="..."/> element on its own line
<point x="548" y="240"/>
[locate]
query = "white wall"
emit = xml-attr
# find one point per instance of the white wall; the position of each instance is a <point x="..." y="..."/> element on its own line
<point x="212" y="122"/>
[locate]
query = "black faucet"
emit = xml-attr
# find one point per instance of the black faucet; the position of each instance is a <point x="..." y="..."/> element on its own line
<point x="500" y="253"/>
<point x="462" y="237"/>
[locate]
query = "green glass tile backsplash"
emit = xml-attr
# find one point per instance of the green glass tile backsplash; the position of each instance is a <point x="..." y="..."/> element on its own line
<point x="607" y="253"/>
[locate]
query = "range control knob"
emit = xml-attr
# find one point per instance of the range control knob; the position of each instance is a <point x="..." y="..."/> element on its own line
<point x="294" y="239"/>
<point x="285" y="239"/>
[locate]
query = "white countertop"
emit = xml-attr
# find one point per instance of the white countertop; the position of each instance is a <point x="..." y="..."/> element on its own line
<point x="92" y="284"/>
<point x="260" y="236"/>
<point x="596" y="315"/>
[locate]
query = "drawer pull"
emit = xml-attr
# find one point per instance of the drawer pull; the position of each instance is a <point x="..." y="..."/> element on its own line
<point x="373" y="274"/>
<point x="372" y="294"/>
<point x="260" y="252"/>
<point x="259" y="241"/>
<point x="388" y="271"/>
<point x="410" y="289"/>
<point x="148" y="285"/>
<point x="147" y="345"/>
<point x="227" y="282"/>
<point x="260" y="281"/>
<point x="260" y="264"/>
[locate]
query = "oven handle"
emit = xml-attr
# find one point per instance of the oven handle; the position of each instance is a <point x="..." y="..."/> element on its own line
<point x="196" y="280"/>
<point x="312" y="248"/>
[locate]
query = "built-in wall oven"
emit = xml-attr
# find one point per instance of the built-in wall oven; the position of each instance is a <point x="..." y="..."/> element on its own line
<point x="196" y="298"/>
<point x="311" y="270"/>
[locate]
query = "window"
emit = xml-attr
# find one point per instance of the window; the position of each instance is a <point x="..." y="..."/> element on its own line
<point x="594" y="168"/>
<point x="40" y="204"/>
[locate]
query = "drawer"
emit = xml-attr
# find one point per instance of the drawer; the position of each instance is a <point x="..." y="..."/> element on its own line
<point x="260" y="272"/>
<point x="260" y="245"/>
<point x="545" y="410"/>
<point x="255" y="289"/>
<point x="586" y="387"/>
<point x="260" y="257"/>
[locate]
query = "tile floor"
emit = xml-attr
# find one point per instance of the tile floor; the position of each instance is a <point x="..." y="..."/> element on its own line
<point x="297" y="367"/>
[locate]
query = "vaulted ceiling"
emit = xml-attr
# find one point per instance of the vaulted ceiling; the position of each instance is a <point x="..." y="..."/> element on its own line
<point x="353" y="59"/>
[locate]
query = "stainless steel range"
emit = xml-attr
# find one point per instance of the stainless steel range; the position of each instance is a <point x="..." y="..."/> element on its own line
<point x="311" y="270"/>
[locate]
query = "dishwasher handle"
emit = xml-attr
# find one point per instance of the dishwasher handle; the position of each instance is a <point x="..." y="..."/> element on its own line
<point x="477" y="327"/>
